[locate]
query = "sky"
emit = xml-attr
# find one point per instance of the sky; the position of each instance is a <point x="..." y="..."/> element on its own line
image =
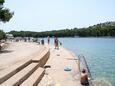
<point x="47" y="15"/>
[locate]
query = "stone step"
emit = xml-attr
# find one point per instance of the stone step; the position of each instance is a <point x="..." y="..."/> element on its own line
<point x="35" y="78"/>
<point x="42" y="54"/>
<point x="22" y="75"/>
<point x="7" y="73"/>
<point x="42" y="58"/>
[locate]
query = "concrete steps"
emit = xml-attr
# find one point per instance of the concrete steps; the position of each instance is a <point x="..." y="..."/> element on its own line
<point x="35" y="78"/>
<point x="6" y="74"/>
<point x="29" y="72"/>
<point x="19" y="77"/>
<point x="29" y="76"/>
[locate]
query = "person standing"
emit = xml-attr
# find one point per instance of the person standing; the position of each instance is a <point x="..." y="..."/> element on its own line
<point x="42" y="41"/>
<point x="48" y="40"/>
<point x="56" y="43"/>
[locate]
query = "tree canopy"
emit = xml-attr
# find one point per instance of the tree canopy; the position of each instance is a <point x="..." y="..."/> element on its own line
<point x="5" y="14"/>
<point x="102" y="29"/>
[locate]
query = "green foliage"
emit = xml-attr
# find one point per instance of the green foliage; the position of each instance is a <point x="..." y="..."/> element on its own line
<point x="1" y="2"/>
<point x="102" y="29"/>
<point x="5" y="14"/>
<point x="2" y="34"/>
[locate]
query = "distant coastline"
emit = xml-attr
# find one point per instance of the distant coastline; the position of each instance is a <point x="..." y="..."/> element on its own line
<point x="102" y="30"/>
<point x="106" y="29"/>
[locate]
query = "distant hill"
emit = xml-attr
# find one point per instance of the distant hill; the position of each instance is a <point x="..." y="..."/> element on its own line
<point x="102" y="29"/>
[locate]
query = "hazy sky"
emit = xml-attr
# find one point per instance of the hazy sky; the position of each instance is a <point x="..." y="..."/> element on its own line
<point x="45" y="15"/>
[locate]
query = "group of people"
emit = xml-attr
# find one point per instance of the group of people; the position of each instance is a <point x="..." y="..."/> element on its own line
<point x="56" y="42"/>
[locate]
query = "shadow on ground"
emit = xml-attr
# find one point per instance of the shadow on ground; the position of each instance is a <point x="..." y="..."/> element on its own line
<point x="5" y="51"/>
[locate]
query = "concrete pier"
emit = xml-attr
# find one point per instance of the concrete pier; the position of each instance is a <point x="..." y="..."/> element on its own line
<point x="56" y="75"/>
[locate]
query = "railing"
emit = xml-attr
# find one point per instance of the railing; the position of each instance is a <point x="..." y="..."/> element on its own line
<point x="83" y="60"/>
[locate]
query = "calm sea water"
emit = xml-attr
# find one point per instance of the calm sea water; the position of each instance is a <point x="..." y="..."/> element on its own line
<point x="99" y="53"/>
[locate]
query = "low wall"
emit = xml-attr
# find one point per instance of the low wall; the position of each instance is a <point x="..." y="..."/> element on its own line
<point x="42" y="57"/>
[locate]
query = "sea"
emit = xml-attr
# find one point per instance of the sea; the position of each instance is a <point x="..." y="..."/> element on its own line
<point x="99" y="54"/>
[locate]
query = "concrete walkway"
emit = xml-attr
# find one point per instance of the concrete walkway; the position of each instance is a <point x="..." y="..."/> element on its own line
<point x="16" y="52"/>
<point x="56" y="76"/>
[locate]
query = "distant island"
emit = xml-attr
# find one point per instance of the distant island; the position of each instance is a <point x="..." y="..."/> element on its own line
<point x="99" y="30"/>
